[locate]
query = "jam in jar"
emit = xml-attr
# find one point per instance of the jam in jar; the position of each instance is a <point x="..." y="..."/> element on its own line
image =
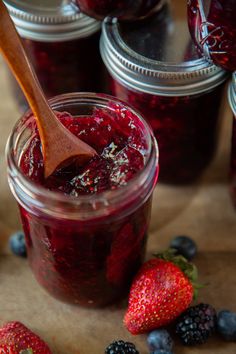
<point x="86" y="227"/>
<point x="62" y="44"/>
<point x="212" y="24"/>
<point x="123" y="9"/>
<point x="178" y="92"/>
<point x="232" y="101"/>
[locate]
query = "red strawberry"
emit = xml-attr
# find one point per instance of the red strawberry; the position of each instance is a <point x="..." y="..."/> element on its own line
<point x="15" y="338"/>
<point x="160" y="292"/>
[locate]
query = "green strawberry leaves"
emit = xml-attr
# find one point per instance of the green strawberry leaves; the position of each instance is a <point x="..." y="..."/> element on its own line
<point x="27" y="351"/>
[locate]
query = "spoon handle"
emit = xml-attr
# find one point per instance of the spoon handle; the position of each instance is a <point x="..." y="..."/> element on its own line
<point x="11" y="47"/>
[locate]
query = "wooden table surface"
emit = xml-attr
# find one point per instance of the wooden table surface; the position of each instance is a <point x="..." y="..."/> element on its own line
<point x="202" y="210"/>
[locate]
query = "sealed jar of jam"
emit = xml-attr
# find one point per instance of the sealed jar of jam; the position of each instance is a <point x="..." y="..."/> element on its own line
<point x="123" y="9"/>
<point x="62" y="44"/>
<point x="86" y="226"/>
<point x="154" y="67"/>
<point x="212" y="24"/>
<point x="232" y="101"/>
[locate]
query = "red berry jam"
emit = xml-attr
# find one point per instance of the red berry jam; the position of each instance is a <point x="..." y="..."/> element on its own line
<point x="213" y="27"/>
<point x="124" y="9"/>
<point x="62" y="45"/>
<point x="86" y="241"/>
<point x="118" y="141"/>
<point x="67" y="66"/>
<point x="186" y="133"/>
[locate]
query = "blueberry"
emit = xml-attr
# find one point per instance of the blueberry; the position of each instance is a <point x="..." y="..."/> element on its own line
<point x="159" y="339"/>
<point x="17" y="244"/>
<point x="185" y="246"/>
<point x="226" y="325"/>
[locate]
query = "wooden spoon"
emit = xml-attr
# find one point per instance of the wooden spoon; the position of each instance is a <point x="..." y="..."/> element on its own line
<point x="58" y="143"/>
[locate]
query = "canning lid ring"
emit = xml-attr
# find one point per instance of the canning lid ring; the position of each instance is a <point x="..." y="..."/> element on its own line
<point x="154" y="77"/>
<point x="67" y="24"/>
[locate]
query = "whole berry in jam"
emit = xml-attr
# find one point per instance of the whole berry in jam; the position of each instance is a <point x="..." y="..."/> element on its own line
<point x="160" y="292"/>
<point x="185" y="246"/>
<point x="226" y="325"/>
<point x="196" y="324"/>
<point x="159" y="339"/>
<point x="17" y="244"/>
<point x="121" y="347"/>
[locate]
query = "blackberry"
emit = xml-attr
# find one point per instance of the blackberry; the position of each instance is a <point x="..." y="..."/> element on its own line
<point x="121" y="347"/>
<point x="196" y="324"/>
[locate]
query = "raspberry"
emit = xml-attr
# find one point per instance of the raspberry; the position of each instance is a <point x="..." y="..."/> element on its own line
<point x="121" y="347"/>
<point x="196" y="324"/>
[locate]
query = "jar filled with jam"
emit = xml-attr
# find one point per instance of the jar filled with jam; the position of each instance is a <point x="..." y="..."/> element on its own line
<point x="86" y="226"/>
<point x="232" y="101"/>
<point x="212" y="24"/>
<point x="154" y="67"/>
<point x="62" y="44"/>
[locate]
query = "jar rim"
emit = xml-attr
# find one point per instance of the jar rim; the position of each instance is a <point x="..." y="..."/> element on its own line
<point x="34" y="191"/>
<point x="152" y="76"/>
<point x="232" y="93"/>
<point x="57" y="24"/>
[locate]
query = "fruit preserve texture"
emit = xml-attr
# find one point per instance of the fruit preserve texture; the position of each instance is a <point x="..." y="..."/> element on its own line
<point x="127" y="9"/>
<point x="185" y="128"/>
<point x="66" y="66"/>
<point x="89" y="262"/>
<point x="213" y="27"/>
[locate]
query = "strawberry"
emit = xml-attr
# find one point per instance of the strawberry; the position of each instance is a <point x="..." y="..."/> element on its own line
<point x="161" y="290"/>
<point x="15" y="338"/>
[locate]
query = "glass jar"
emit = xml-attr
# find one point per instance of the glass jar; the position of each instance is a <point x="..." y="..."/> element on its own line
<point x="123" y="9"/>
<point x="85" y="249"/>
<point x="62" y="44"/>
<point x="213" y="28"/>
<point x="154" y="67"/>
<point x="232" y="101"/>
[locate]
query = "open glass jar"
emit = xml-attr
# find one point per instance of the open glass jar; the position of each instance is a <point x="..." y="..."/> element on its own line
<point x="84" y="249"/>
<point x="62" y="44"/>
<point x="212" y="25"/>
<point x="232" y="101"/>
<point x="154" y="67"/>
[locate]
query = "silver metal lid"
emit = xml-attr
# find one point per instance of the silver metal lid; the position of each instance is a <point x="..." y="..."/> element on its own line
<point x="232" y="93"/>
<point x="157" y="56"/>
<point x="50" y="20"/>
